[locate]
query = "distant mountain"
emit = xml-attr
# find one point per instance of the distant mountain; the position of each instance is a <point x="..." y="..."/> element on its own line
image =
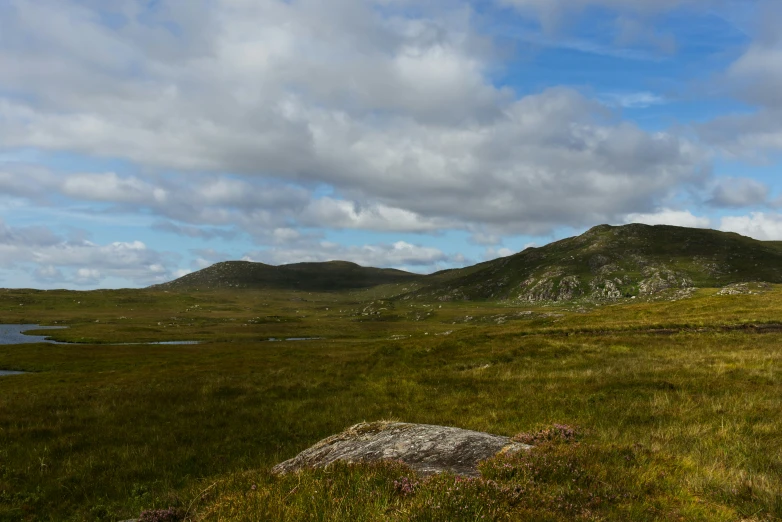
<point x="609" y="263"/>
<point x="312" y="277"/>
<point x="606" y="263"/>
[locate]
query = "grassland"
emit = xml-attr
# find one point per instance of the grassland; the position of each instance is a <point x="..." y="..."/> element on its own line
<point x="677" y="404"/>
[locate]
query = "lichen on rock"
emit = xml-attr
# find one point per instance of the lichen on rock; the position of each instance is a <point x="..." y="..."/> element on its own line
<point x="744" y="289"/>
<point x="605" y="289"/>
<point x="425" y="448"/>
<point x="659" y="280"/>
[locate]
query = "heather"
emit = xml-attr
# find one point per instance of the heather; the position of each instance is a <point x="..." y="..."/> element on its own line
<point x="638" y="410"/>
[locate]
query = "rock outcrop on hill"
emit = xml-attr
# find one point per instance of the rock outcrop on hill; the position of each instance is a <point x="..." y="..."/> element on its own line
<point x="427" y="449"/>
<point x="607" y="263"/>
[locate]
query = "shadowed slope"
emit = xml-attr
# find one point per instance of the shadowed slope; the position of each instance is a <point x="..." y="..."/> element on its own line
<point x="314" y="277"/>
<point x="605" y="263"/>
<point x="609" y="263"/>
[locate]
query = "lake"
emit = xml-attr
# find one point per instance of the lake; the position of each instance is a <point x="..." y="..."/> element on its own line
<point x="12" y="334"/>
<point x="3" y="373"/>
<point x="274" y="339"/>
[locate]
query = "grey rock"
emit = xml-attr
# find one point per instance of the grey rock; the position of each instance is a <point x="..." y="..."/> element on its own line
<point x="547" y="288"/>
<point x="569" y="288"/>
<point x="659" y="280"/>
<point x="744" y="289"/>
<point x="427" y="449"/>
<point x="605" y="289"/>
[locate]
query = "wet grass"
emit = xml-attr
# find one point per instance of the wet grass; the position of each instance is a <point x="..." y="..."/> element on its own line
<point x="679" y="425"/>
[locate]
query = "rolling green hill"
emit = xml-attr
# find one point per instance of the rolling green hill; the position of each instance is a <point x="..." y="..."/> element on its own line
<point x="644" y="411"/>
<point x="604" y="264"/>
<point x="312" y="277"/>
<point x="609" y="263"/>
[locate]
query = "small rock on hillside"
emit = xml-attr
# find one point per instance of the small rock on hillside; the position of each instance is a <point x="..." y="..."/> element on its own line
<point x="744" y="289"/>
<point x="425" y="448"/>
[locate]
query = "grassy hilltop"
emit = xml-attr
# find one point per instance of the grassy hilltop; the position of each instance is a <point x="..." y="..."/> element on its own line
<point x="610" y="263"/>
<point x="675" y="404"/>
<point x="312" y="277"/>
<point x="605" y="263"/>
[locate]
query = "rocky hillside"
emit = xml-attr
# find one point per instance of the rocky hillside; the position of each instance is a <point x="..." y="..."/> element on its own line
<point x="312" y="277"/>
<point x="609" y="263"/>
<point x="604" y="264"/>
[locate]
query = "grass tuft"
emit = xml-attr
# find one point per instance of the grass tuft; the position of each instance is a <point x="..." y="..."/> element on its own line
<point x="665" y="411"/>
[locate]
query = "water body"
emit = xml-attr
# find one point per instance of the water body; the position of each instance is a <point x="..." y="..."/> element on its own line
<point x="12" y="334"/>
<point x="157" y="342"/>
<point x="3" y="373"/>
<point x="274" y="339"/>
<point x="176" y="342"/>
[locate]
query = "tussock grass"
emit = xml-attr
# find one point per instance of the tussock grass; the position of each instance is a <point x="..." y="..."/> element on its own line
<point x="556" y="481"/>
<point x="681" y="425"/>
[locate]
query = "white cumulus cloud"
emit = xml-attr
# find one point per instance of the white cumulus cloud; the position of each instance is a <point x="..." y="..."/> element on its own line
<point x="400" y="254"/>
<point x="759" y="225"/>
<point x="666" y="216"/>
<point x="398" y="112"/>
<point x="50" y="258"/>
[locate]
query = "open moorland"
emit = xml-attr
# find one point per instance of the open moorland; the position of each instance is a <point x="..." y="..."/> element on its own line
<point x="641" y="406"/>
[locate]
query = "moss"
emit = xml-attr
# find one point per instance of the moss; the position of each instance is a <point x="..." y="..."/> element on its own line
<point x="116" y="430"/>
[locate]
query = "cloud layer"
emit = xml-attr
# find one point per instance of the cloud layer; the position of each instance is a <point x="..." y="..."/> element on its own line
<point x="59" y="260"/>
<point x="287" y="121"/>
<point x="398" y="114"/>
<point x="755" y="77"/>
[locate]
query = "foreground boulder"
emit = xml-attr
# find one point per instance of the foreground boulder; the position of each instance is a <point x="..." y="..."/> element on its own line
<point x="425" y="448"/>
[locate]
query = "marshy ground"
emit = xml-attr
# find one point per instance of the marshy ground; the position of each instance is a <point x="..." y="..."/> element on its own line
<point x="677" y="405"/>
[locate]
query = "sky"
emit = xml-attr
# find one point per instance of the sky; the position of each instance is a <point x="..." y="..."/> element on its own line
<point x="141" y="140"/>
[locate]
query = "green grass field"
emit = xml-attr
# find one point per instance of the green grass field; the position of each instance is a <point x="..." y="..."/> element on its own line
<point x="677" y="405"/>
